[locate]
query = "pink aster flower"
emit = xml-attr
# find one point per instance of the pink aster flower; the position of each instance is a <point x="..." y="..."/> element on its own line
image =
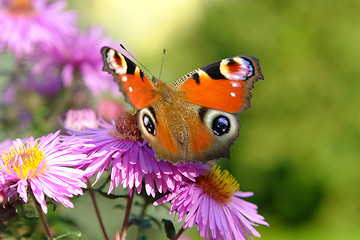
<point x="3" y="146"/>
<point x="81" y="119"/>
<point x="25" y="24"/>
<point x="2" y="181"/>
<point x="119" y="147"/>
<point x="214" y="203"/>
<point x="78" y="53"/>
<point x="44" y="167"/>
<point x="110" y="109"/>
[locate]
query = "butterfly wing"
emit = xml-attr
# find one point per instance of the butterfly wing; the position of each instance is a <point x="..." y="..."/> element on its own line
<point x="224" y="85"/>
<point x="148" y="96"/>
<point x="217" y="93"/>
<point x="134" y="84"/>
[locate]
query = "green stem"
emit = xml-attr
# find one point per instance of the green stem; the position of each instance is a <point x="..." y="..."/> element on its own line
<point x="92" y="195"/>
<point x="44" y="224"/>
<point x="181" y="231"/>
<point x="127" y="216"/>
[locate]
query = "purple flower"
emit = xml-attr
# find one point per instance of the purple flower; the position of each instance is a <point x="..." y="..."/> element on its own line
<point x="8" y="94"/>
<point x="5" y="145"/>
<point x="26" y="24"/>
<point x="214" y="203"/>
<point x="81" y="119"/>
<point x="46" y="83"/>
<point x="2" y="181"/>
<point x="44" y="166"/>
<point x="78" y="53"/>
<point x="118" y="147"/>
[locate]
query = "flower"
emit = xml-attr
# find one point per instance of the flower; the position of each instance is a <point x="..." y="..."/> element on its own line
<point x="8" y="94"/>
<point x="214" y="203"/>
<point x="117" y="235"/>
<point x="42" y="165"/>
<point x="2" y="181"/>
<point x="78" y="53"/>
<point x="109" y="109"/>
<point x="3" y="146"/>
<point x="119" y="147"/>
<point x="80" y="119"/>
<point x="26" y="24"/>
<point x="47" y="83"/>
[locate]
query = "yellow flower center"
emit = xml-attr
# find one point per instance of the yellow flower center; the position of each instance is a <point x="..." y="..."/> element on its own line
<point x="20" y="7"/>
<point x="24" y="160"/>
<point x="219" y="185"/>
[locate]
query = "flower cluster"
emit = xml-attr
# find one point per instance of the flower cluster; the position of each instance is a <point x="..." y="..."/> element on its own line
<point x="118" y="147"/>
<point x="77" y="53"/>
<point x="53" y="59"/>
<point x="58" y="167"/>
<point x="51" y="53"/>
<point x="27" y="24"/>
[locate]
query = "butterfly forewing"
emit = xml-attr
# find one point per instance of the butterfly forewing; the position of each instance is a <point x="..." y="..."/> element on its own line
<point x="134" y="84"/>
<point x="224" y="85"/>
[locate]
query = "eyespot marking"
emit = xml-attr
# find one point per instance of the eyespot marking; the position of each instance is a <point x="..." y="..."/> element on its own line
<point x="147" y="122"/>
<point x="149" y="125"/>
<point x="221" y="125"/>
<point x="237" y="68"/>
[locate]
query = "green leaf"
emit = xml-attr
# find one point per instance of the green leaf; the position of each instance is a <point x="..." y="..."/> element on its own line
<point x="142" y="237"/>
<point x="142" y="223"/>
<point x="76" y="234"/>
<point x="169" y="228"/>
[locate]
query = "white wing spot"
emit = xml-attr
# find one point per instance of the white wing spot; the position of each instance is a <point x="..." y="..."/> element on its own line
<point x="233" y="94"/>
<point x="110" y="62"/>
<point x="235" y="84"/>
<point x="130" y="89"/>
<point x="119" y="70"/>
<point x="124" y="78"/>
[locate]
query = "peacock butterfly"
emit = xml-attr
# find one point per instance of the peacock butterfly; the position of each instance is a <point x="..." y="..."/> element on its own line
<point x="194" y="119"/>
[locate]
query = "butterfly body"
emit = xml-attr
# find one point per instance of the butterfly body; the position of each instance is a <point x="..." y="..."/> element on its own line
<point x="195" y="119"/>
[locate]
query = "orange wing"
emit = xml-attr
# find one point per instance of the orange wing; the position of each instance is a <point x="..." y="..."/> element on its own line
<point x="224" y="85"/>
<point x="134" y="84"/>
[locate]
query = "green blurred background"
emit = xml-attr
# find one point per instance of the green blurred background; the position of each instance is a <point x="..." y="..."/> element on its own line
<point x="298" y="148"/>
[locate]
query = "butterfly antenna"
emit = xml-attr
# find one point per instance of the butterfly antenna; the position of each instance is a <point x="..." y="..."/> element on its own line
<point x="122" y="46"/>
<point x="162" y="63"/>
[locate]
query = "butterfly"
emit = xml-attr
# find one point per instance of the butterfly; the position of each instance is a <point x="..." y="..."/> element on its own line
<point x="194" y="119"/>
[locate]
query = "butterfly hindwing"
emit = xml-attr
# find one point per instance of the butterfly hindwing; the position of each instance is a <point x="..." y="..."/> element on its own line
<point x="179" y="133"/>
